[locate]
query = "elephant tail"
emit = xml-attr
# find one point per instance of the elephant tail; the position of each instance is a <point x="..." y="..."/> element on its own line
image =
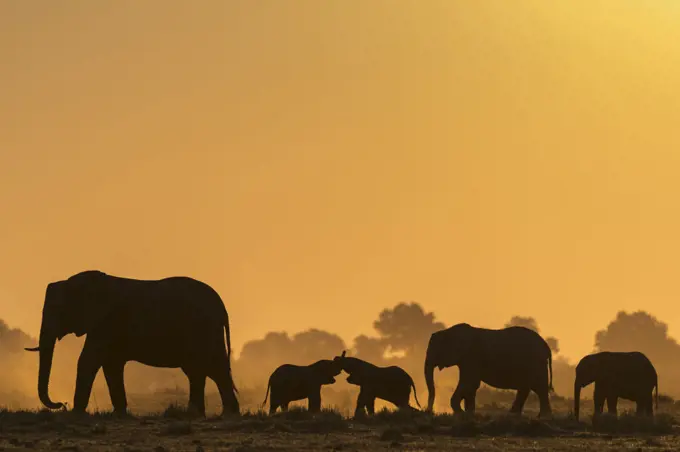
<point x="228" y="335"/>
<point x="550" y="384"/>
<point x="656" y="394"/>
<point x="415" y="395"/>
<point x="269" y="384"/>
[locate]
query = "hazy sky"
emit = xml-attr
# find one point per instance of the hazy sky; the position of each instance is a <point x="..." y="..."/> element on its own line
<point x="317" y="161"/>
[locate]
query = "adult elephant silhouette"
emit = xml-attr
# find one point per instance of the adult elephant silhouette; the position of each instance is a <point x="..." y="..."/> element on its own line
<point x="509" y="358"/>
<point x="174" y="322"/>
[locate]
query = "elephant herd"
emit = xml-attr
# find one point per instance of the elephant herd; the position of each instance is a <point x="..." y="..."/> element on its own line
<point x="180" y="322"/>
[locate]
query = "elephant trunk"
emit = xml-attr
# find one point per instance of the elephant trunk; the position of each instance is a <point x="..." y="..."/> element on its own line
<point x="577" y="398"/>
<point x="429" y="380"/>
<point x="47" y="342"/>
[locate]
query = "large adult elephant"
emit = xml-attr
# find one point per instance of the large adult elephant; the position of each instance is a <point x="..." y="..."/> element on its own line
<point x="174" y="322"/>
<point x="628" y="375"/>
<point x="509" y="358"/>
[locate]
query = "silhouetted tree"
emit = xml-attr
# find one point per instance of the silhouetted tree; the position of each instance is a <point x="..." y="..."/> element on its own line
<point x="316" y="344"/>
<point x="526" y="322"/>
<point x="260" y="357"/>
<point x="636" y="331"/>
<point x="641" y="331"/>
<point x="13" y="340"/>
<point x="273" y="347"/>
<point x="371" y="349"/>
<point x="403" y="335"/>
<point x="554" y="344"/>
<point x="406" y="327"/>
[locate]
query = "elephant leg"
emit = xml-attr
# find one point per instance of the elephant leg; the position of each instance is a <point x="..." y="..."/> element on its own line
<point x="467" y="387"/>
<point x="370" y="405"/>
<point x="469" y="402"/>
<point x="645" y="405"/>
<point x="542" y="389"/>
<point x="361" y="402"/>
<point x="284" y="406"/>
<point x="520" y="400"/>
<point x="221" y="375"/>
<point x="612" y="401"/>
<point x="598" y="400"/>
<point x="196" y="392"/>
<point x="403" y="400"/>
<point x="89" y="364"/>
<point x="456" y="399"/>
<point x="314" y="401"/>
<point x="544" y="402"/>
<point x="650" y="405"/>
<point x="113" y="372"/>
<point x="274" y="402"/>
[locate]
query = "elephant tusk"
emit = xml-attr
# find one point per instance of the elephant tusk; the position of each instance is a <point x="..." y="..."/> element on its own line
<point x="34" y="349"/>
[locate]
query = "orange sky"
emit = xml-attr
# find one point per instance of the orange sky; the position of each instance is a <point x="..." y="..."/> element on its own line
<point x="318" y="161"/>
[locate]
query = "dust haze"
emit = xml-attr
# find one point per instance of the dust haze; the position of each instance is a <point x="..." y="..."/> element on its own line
<point x="399" y="337"/>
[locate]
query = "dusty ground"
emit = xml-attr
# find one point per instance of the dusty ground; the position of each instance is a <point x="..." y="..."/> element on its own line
<point x="300" y="431"/>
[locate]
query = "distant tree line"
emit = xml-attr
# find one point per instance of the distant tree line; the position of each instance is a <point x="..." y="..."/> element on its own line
<point x="400" y="337"/>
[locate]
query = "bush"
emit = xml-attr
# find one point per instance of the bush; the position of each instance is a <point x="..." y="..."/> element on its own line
<point x="174" y="411"/>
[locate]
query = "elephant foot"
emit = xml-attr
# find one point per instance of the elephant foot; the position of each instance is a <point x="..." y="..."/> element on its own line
<point x="546" y="415"/>
<point x="463" y="415"/>
<point x="121" y="413"/>
<point x="230" y="413"/>
<point x="515" y="414"/>
<point x="195" y="414"/>
<point x="78" y="412"/>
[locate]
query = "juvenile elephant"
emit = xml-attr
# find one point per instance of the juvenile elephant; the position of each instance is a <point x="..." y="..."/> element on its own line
<point x="290" y="382"/>
<point x="628" y="375"/>
<point x="390" y="383"/>
<point x="173" y="322"/>
<point x="509" y="358"/>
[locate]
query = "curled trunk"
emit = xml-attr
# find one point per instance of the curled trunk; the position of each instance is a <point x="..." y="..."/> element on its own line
<point x="46" y="353"/>
<point x="429" y="380"/>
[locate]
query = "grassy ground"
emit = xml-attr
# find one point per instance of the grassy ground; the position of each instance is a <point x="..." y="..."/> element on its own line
<point x="329" y="431"/>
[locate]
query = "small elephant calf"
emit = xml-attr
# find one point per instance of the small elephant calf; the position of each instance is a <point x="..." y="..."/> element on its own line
<point x="290" y="382"/>
<point x="625" y="375"/>
<point x="391" y="383"/>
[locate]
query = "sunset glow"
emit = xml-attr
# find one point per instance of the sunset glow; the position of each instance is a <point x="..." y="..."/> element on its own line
<point x="316" y="162"/>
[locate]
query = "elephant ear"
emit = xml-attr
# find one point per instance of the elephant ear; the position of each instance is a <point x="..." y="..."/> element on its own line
<point x="55" y="309"/>
<point x="92" y="294"/>
<point x="464" y="342"/>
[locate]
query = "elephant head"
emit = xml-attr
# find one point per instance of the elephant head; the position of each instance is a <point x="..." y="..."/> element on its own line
<point x="76" y="305"/>
<point x="349" y="364"/>
<point x="448" y="347"/>
<point x="588" y="370"/>
<point x="326" y="370"/>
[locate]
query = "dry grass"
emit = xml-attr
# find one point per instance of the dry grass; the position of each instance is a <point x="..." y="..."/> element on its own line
<point x="176" y="429"/>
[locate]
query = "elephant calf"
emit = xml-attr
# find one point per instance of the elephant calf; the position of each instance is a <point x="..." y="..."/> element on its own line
<point x="290" y="382"/>
<point x="390" y="383"/>
<point x="628" y="375"/>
